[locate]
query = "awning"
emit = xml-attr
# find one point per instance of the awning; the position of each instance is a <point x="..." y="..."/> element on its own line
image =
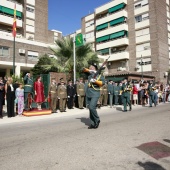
<point x="100" y="27"/>
<point x="117" y="21"/>
<point x="115" y="79"/>
<point x="104" y="51"/>
<point x="117" y="34"/>
<point x="104" y="38"/>
<point x="10" y="11"/>
<point x="116" y="8"/>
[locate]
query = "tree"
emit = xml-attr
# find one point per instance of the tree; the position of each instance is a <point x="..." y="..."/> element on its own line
<point x="64" y="54"/>
<point x="45" y="65"/>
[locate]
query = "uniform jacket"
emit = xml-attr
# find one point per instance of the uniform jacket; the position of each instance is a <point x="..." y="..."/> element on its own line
<point x="62" y="92"/>
<point x="105" y="89"/>
<point x="81" y="89"/>
<point x="28" y="87"/>
<point x="110" y="88"/>
<point x="126" y="93"/>
<point x="116" y="90"/>
<point x="94" y="92"/>
<point x="70" y="90"/>
<point x="53" y="90"/>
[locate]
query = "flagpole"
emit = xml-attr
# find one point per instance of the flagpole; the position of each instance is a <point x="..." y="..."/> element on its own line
<point x="14" y="35"/>
<point x="14" y="57"/>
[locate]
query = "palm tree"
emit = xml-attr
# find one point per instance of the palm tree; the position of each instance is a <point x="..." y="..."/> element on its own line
<point x="64" y="56"/>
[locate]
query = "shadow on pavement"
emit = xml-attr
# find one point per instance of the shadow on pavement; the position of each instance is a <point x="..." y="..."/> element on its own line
<point x="85" y="120"/>
<point x="167" y="140"/>
<point x="151" y="166"/>
<point x="119" y="108"/>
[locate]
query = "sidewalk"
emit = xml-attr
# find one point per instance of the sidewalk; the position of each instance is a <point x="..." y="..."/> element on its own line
<point x="69" y="112"/>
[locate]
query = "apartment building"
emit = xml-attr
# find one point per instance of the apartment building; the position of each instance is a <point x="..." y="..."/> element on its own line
<point x="33" y="37"/>
<point x="134" y="33"/>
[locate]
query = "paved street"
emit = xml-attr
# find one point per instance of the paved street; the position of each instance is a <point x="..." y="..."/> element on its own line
<point x="60" y="142"/>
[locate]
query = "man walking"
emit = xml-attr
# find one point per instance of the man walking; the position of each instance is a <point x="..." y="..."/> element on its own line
<point x="93" y="94"/>
<point x="126" y="88"/>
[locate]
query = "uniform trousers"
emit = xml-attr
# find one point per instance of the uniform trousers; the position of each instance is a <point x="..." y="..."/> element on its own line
<point x="70" y="102"/>
<point x="94" y="117"/>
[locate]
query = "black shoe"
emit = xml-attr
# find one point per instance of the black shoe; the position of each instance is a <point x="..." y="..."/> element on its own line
<point x="124" y="110"/>
<point x="97" y="125"/>
<point x="130" y="108"/>
<point x="91" y="127"/>
<point x="155" y="105"/>
<point x="150" y="106"/>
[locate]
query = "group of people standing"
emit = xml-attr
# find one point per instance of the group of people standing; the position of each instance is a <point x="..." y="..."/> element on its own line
<point x="94" y="92"/>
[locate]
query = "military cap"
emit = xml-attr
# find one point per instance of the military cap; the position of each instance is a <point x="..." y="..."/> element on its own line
<point x="95" y="65"/>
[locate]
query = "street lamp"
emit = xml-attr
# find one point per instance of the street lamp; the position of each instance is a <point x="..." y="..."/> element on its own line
<point x="141" y="63"/>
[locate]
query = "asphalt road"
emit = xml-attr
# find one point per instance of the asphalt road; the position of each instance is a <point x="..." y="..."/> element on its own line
<point x="66" y="144"/>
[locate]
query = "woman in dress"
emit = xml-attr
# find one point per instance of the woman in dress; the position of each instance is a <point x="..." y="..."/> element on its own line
<point x="39" y="92"/>
<point x="19" y="94"/>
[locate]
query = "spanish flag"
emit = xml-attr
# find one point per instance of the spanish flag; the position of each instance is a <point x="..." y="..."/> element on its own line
<point x="14" y="29"/>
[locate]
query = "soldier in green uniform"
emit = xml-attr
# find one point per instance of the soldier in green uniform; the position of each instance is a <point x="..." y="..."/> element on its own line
<point x="62" y="96"/>
<point x="93" y="94"/>
<point x="81" y="93"/>
<point x="105" y="94"/>
<point x="28" y="89"/>
<point x="151" y="94"/>
<point x="116" y="93"/>
<point x="110" y="92"/>
<point x="126" y="88"/>
<point x="53" y="95"/>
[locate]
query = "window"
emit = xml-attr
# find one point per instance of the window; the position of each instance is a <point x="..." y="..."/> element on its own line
<point x="140" y="18"/>
<point x="30" y="9"/>
<point x="90" y="23"/>
<point x="138" y="6"/>
<point x="4" y="51"/>
<point x="32" y="54"/>
<point x="144" y="63"/>
<point x="141" y="4"/>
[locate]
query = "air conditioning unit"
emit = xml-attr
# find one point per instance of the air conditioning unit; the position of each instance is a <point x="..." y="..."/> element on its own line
<point x="21" y="51"/>
<point x="122" y="68"/>
<point x="118" y="69"/>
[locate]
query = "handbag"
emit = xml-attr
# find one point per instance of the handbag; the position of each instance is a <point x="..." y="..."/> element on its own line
<point x="16" y="100"/>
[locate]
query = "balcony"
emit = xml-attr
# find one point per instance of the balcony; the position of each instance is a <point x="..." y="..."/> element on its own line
<point x="143" y="38"/>
<point x="142" y="24"/>
<point x="111" y="30"/>
<point x="144" y="53"/>
<point x="118" y="56"/>
<point x="30" y="15"/>
<point x="7" y="20"/>
<point x="11" y="4"/>
<point x="141" y="10"/>
<point x="89" y="29"/>
<point x="111" y="17"/>
<point x="31" y="2"/>
<point x="9" y="34"/>
<point x="112" y="43"/>
<point x="108" y="5"/>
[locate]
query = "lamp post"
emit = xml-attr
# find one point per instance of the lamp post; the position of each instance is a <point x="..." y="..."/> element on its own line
<point x="141" y="63"/>
<point x="74" y="58"/>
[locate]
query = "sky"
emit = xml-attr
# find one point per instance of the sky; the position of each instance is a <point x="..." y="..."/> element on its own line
<point x="65" y="15"/>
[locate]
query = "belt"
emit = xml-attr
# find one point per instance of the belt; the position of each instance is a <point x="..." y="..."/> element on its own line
<point x="52" y="91"/>
<point x="28" y="85"/>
